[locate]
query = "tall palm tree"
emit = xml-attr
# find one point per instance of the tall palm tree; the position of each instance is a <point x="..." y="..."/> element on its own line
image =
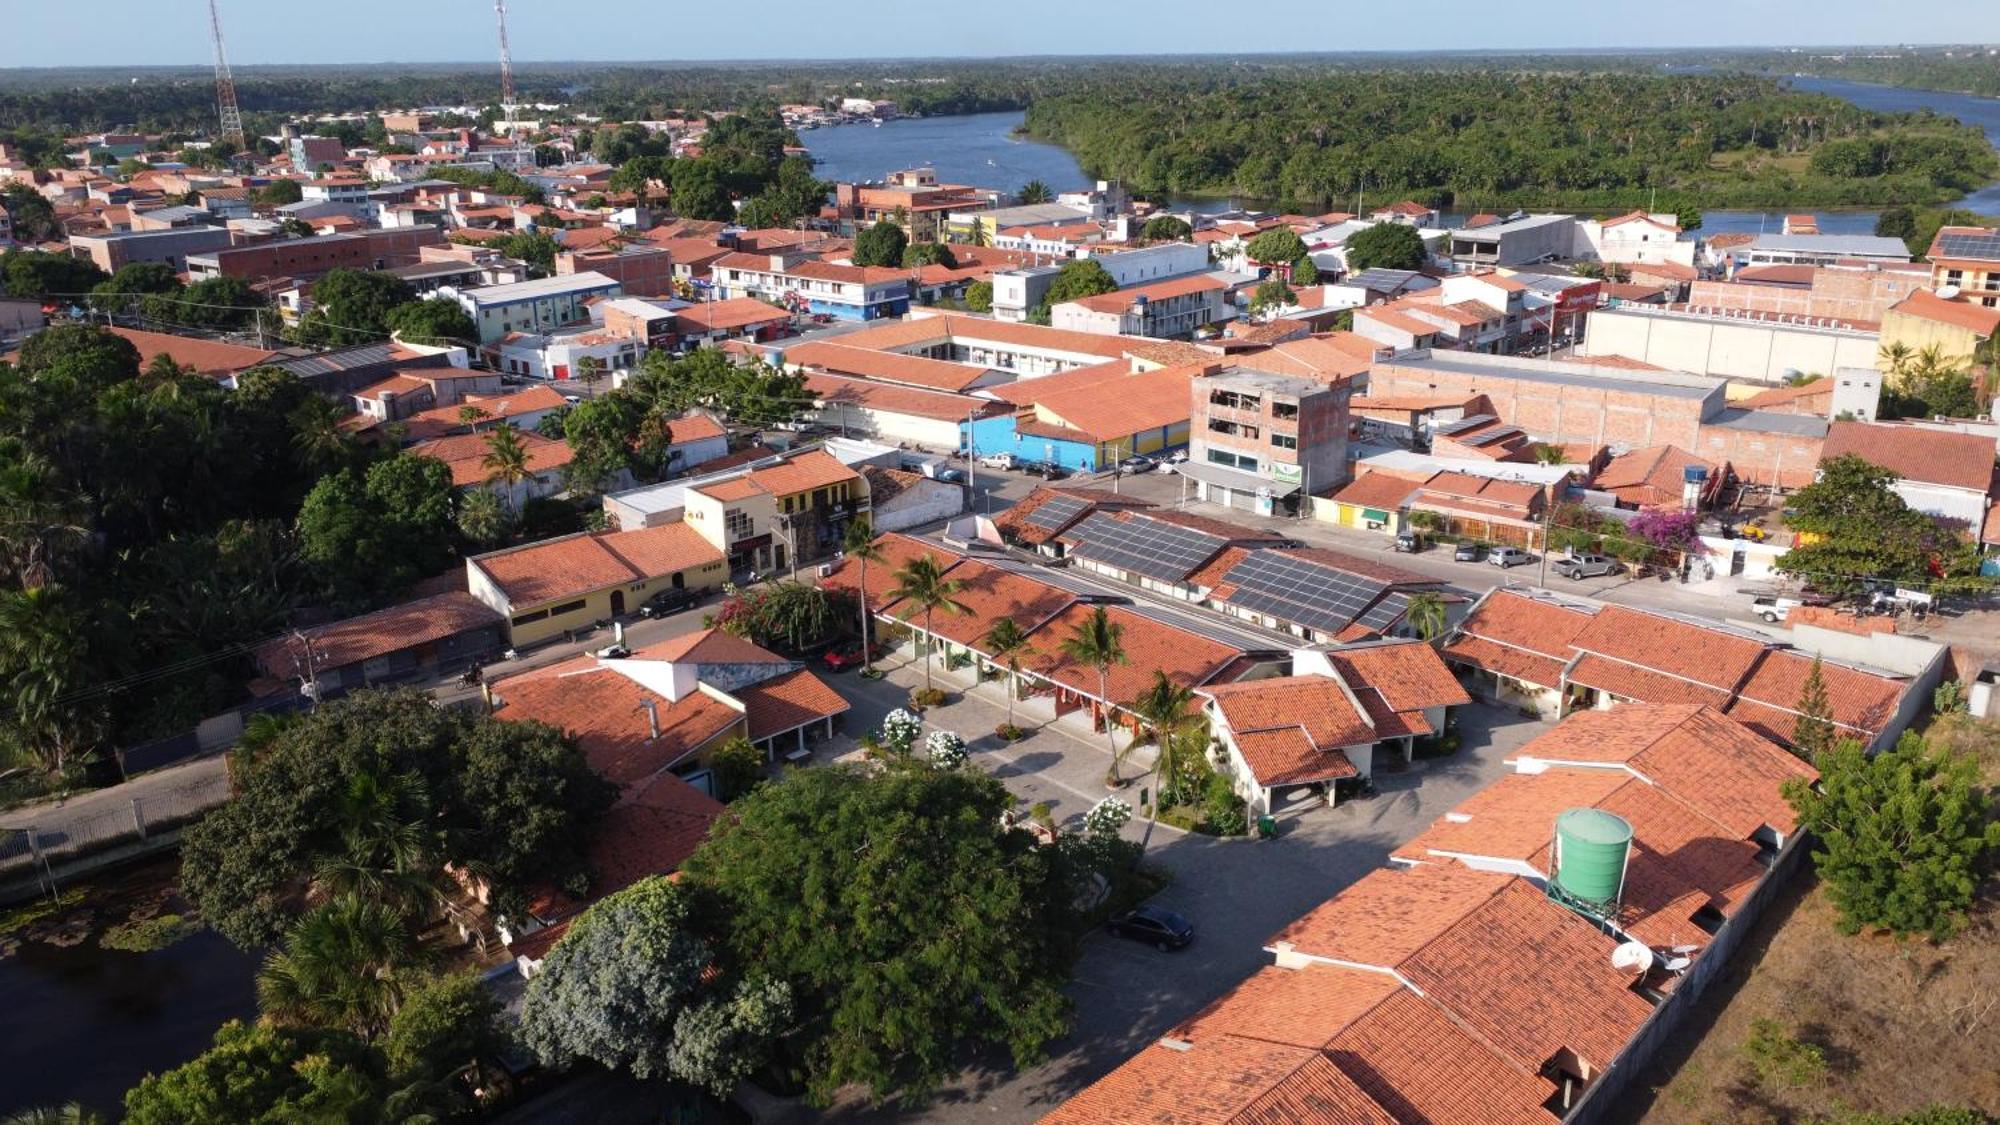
<point x="344" y="965"/>
<point x="1165" y="708"/>
<point x="1007" y="643"/>
<point x="69" y="1113"/>
<point x="858" y="543"/>
<point x="1426" y="614"/>
<point x="472" y="415"/>
<point x="318" y="440"/>
<point x="41" y="520"/>
<point x="1099" y="642"/>
<point x="922" y="583"/>
<point x="978" y="236"/>
<point x="506" y="460"/>
<point x="1035" y="191"/>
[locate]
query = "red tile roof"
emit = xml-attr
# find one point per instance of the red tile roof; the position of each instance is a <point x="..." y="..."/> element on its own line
<point x="575" y="565"/>
<point x="987" y="594"/>
<point x="1931" y="456"/>
<point x="736" y="312"/>
<point x="788" y="702"/>
<point x="380" y="633"/>
<point x="1014" y="521"/>
<point x="893" y="398"/>
<point x="1649" y="476"/>
<point x="652" y="831"/>
<point x="212" y="358"/>
<point x="604" y="711"/>
<point x="1974" y="318"/>
<point x="1150" y="645"/>
<point x="889" y="367"/>
<point x="1377" y="490"/>
<point x="466" y="454"/>
<point x="897" y="551"/>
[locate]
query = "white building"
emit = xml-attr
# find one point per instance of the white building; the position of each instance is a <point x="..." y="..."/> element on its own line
<point x="1635" y="238"/>
<point x="531" y="306"/>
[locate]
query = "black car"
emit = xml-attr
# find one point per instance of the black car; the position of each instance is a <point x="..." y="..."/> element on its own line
<point x="1154" y="925"/>
<point x="666" y="603"/>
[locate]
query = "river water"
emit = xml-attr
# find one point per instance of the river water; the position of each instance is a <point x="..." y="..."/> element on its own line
<point x="981" y="149"/>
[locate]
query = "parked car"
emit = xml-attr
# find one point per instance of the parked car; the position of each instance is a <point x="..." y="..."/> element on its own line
<point x="845" y="657"/>
<point x="1054" y="472"/>
<point x="1587" y="566"/>
<point x="1409" y="543"/>
<point x="1154" y="925"/>
<point x="666" y="603"/>
<point x="1505" y="557"/>
<point x="1138" y="464"/>
<point x="1468" y="552"/>
<point x="998" y="461"/>
<point x="1177" y="457"/>
<point x="951" y="476"/>
<point x="1773" y="608"/>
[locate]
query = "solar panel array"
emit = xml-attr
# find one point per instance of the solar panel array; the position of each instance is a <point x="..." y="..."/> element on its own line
<point x="1980" y="246"/>
<point x="1294" y="590"/>
<point x="1162" y="551"/>
<point x="1055" y="513"/>
<point x="1384" y="613"/>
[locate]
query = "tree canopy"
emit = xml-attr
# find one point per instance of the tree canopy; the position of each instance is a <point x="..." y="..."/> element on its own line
<point x="880" y="245"/>
<point x="1166" y="228"/>
<point x="266" y="1076"/>
<point x="1386" y="246"/>
<point x="507" y="800"/>
<point x="1277" y="246"/>
<point x="636" y="984"/>
<point x="1863" y="531"/>
<point x="437" y="321"/>
<point x="1082" y="277"/>
<point x="1905" y="838"/>
<point x="903" y="918"/>
<point x="352" y="307"/>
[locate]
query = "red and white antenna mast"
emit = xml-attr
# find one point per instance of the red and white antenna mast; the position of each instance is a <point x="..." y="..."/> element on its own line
<point x="506" y="69"/>
<point x="225" y="86"/>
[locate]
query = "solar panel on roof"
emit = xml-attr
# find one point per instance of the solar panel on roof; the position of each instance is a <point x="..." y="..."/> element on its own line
<point x="1162" y="551"/>
<point x="1056" y="512"/>
<point x="1293" y="589"/>
<point x="1384" y="613"/>
<point x="1970" y="246"/>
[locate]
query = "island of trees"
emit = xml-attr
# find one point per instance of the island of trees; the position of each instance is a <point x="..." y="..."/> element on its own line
<point x="1492" y="140"/>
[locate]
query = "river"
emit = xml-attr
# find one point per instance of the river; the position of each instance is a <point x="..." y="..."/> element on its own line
<point x="981" y="149"/>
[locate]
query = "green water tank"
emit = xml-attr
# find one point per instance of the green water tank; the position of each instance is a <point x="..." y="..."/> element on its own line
<point x="1591" y="848"/>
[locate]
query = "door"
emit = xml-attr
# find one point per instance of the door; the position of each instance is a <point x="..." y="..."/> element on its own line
<point x="617" y="603"/>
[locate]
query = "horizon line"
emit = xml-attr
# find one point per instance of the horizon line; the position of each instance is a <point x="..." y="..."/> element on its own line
<point x="768" y="60"/>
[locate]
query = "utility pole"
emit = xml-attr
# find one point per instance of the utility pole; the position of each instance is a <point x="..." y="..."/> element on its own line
<point x="225" y="86"/>
<point x="309" y="681"/>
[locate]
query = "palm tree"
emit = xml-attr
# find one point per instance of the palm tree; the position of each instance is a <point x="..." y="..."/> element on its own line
<point x="506" y="460"/>
<point x="1035" y="191"/>
<point x="344" y="965"/>
<point x="1099" y="642"/>
<point x="922" y="583"/>
<point x="858" y="543"/>
<point x="472" y="415"/>
<point x="1426" y="614"/>
<point x="69" y="1113"/>
<point x="1896" y="355"/>
<point x="317" y="437"/>
<point x="1549" y="454"/>
<point x="41" y="521"/>
<point x="386" y="854"/>
<point x="1007" y="643"/>
<point x="42" y="665"/>
<point x="1164" y="708"/>
<point x="977" y="236"/>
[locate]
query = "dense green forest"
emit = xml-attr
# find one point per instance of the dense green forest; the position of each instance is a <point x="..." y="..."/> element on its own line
<point x="1496" y="139"/>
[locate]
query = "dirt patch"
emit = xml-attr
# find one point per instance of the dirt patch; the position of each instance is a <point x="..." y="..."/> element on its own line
<point x="1899" y="1025"/>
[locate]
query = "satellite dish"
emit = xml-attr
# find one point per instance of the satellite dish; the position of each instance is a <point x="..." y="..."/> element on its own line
<point x="1948" y="292"/>
<point x="1634" y="957"/>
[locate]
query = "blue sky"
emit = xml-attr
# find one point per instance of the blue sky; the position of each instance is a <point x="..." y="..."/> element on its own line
<point x="50" y="33"/>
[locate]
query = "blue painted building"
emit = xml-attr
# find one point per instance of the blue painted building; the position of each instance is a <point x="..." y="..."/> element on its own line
<point x="810" y="286"/>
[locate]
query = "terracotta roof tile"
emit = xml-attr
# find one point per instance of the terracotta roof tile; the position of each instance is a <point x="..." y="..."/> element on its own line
<point x="812" y="469"/>
<point x="1230" y="1080"/>
<point x="604" y="711"/>
<point x="897" y="551"/>
<point x="1423" y="1066"/>
<point x="1408" y="674"/>
<point x="575" y="565"/>
<point x="1387" y="916"/>
<point x="788" y="702"/>
<point x="652" y="831"/>
<point x="212" y="358"/>
<point x="1014" y="521"/>
<point x="1377" y="490"/>
<point x="889" y="367"/>
<point x="466" y="454"/>
<point x="710" y="646"/>
<point x="380" y="633"/>
<point x="988" y="594"/>
<point x="1649" y="476"/>
<point x="736" y="312"/>
<point x="1932" y="456"/>
<point x="1977" y="319"/>
<point x="1150" y="645"/>
<point x="893" y="398"/>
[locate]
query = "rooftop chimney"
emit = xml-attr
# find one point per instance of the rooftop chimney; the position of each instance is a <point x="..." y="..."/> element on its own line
<point x="652" y="719"/>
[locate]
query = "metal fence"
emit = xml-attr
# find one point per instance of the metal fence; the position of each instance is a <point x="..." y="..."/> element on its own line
<point x="41" y="838"/>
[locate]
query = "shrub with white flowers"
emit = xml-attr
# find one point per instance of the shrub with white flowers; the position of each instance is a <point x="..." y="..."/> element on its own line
<point x="946" y="750"/>
<point x="900" y="730"/>
<point x="1106" y="817"/>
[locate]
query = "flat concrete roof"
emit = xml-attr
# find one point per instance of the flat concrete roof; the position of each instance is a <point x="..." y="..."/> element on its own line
<point x="1769" y="422"/>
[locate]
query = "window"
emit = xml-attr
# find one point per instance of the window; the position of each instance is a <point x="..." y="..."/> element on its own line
<point x="1284" y="410"/>
<point x="1233" y="401"/>
<point x="1217" y="425"/>
<point x="1284" y="441"/>
<point x="1232" y="460"/>
<point x="738" y="523"/>
<point x="567" y="607"/>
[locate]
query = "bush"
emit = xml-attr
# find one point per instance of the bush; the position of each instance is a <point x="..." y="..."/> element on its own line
<point x="1008" y="732"/>
<point x="945" y="749"/>
<point x="1777" y="1056"/>
<point x="927" y="697"/>
<point x="899" y="731"/>
<point x="738" y="767"/>
<point x="1107" y="816"/>
<point x="1226" y="816"/>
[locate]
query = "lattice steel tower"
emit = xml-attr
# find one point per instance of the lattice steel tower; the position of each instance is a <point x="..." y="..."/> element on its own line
<point x="506" y="70"/>
<point x="225" y="86"/>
